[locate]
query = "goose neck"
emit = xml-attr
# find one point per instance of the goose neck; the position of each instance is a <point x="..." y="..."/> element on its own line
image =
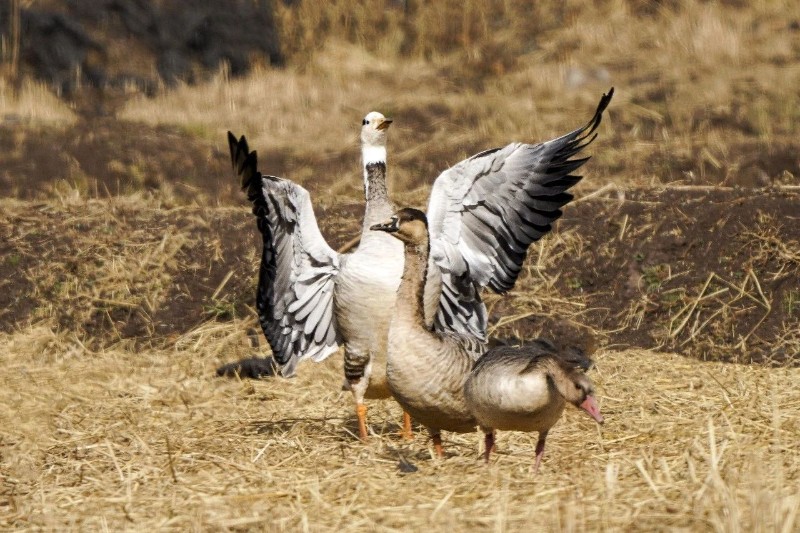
<point x="410" y="295"/>
<point x="374" y="163"/>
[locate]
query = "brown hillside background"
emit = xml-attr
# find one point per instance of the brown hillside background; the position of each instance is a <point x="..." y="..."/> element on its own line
<point x="128" y="259"/>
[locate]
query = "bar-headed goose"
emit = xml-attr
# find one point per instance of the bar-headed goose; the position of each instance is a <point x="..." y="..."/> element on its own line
<point x="484" y="212"/>
<point x="526" y="389"/>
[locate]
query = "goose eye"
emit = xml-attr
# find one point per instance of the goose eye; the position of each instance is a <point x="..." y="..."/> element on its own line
<point x="364" y="122"/>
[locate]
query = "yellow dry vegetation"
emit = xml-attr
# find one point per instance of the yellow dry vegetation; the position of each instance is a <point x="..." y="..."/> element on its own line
<point x="115" y="440"/>
<point x="32" y="103"/>
<point x="702" y="88"/>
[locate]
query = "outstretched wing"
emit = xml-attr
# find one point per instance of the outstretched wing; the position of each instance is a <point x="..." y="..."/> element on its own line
<point x="298" y="268"/>
<point x="485" y="212"/>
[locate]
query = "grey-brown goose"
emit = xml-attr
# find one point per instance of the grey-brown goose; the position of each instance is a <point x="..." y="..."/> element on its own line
<point x="485" y="212"/>
<point x="526" y="389"/>
<point x="425" y="369"/>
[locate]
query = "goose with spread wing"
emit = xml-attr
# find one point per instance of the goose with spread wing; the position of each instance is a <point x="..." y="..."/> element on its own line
<point x="484" y="213"/>
<point x="451" y="382"/>
<point x="311" y="299"/>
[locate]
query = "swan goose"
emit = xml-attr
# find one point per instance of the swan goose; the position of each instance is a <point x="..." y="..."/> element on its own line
<point x="425" y="369"/>
<point x="485" y="211"/>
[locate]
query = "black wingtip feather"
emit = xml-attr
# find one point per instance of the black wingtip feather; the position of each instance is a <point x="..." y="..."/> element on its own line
<point x="562" y="162"/>
<point x="598" y="115"/>
<point x="583" y="137"/>
<point x="249" y="170"/>
<point x="245" y="165"/>
<point x="232" y="146"/>
<point x="575" y="142"/>
<point x="565" y="167"/>
<point x="245" y="162"/>
<point x="564" y="182"/>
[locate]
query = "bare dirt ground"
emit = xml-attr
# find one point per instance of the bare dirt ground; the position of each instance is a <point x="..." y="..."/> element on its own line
<point x="709" y="273"/>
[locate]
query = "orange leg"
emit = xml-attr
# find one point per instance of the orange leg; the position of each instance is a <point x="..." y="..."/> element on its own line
<point x="437" y="445"/>
<point x="361" y="413"/>
<point x="407" y="433"/>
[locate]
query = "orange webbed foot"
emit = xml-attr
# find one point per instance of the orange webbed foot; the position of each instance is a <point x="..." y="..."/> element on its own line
<point x="361" y="414"/>
<point x="407" y="433"/>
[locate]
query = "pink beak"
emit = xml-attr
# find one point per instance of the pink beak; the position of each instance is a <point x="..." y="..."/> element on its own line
<point x="590" y="406"/>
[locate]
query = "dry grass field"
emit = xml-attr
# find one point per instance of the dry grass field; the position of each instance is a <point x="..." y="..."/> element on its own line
<point x="128" y="260"/>
<point x="140" y="440"/>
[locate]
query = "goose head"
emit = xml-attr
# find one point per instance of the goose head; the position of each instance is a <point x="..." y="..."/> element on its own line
<point x="408" y="224"/>
<point x="373" y="129"/>
<point x="578" y="390"/>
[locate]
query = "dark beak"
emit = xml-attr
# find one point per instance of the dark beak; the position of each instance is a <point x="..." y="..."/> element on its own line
<point x="390" y="226"/>
<point x="385" y="124"/>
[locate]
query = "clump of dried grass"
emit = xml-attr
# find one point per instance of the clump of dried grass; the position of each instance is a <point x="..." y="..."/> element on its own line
<point x="278" y="109"/>
<point x="87" y="277"/>
<point x="119" y="440"/>
<point x="480" y="34"/>
<point x="32" y="103"/>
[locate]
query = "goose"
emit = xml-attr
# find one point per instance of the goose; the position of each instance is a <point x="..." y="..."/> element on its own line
<point x="484" y="211"/>
<point x="526" y="389"/>
<point x="425" y="369"/>
<point x="451" y="382"/>
<point x="310" y="299"/>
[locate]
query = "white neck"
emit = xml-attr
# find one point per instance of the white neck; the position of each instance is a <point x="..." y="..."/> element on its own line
<point x="371" y="153"/>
